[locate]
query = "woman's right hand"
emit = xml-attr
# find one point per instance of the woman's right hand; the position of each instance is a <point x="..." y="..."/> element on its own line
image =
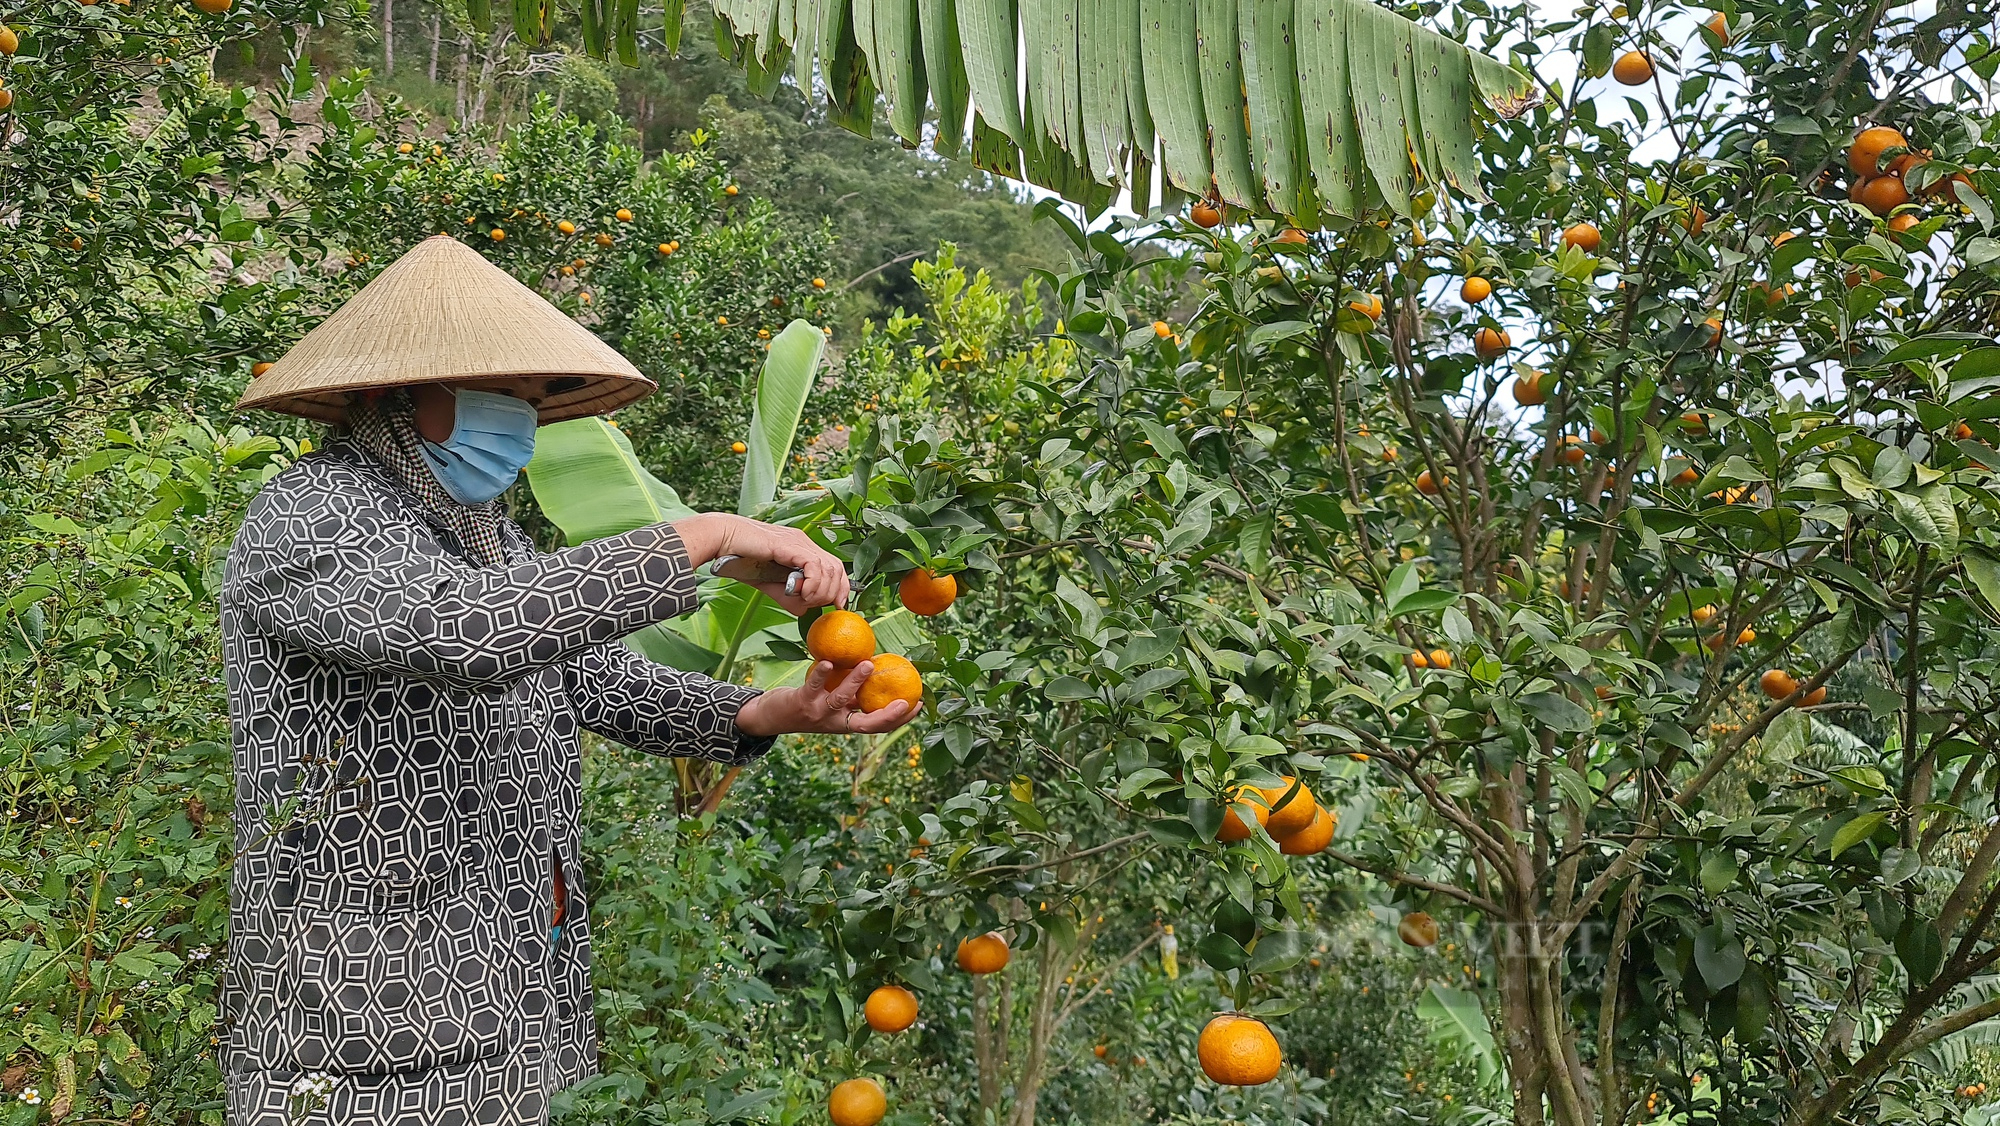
<point x="707" y="535"/>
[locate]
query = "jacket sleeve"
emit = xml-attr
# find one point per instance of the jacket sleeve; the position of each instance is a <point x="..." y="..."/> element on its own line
<point x="327" y="564"/>
<point x="660" y="710"/>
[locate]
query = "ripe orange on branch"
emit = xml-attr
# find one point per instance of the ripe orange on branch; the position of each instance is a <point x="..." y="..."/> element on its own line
<point x="1238" y="1051"/>
<point x="983" y="953"/>
<point x="1234" y="827"/>
<point x="1584" y="236"/>
<point x="1528" y="389"/>
<point x="925" y="594"/>
<point x="1312" y="839"/>
<point x="1864" y="156"/>
<point x="1428" y="485"/>
<point x="857" y="1102"/>
<point x="1491" y="343"/>
<point x="890" y="1008"/>
<point x="1474" y="290"/>
<point x="1884" y="194"/>
<point x="1289" y="816"/>
<point x="1777" y="683"/>
<point x="1418" y="929"/>
<point x="1205" y="214"/>
<point x="1633" y="68"/>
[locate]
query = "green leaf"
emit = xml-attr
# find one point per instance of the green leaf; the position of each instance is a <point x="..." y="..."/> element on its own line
<point x="1985" y="576"/>
<point x="789" y="370"/>
<point x="944" y="67"/>
<point x="1928" y="515"/>
<point x="1102" y="86"/>
<point x="1277" y="952"/>
<point x="1719" y="958"/>
<point x="1935" y="344"/>
<point x="1444" y="89"/>
<point x="664" y="646"/>
<point x="590" y="484"/>
<point x="1221" y="70"/>
<point x="1221" y="952"/>
<point x="992" y="67"/>
<point x="1456" y="1018"/>
<point x="1266" y="34"/>
<point x="1333" y="141"/>
<point x="887" y="31"/>
<point x="1856" y="831"/>
<point x="1718" y="871"/>
<point x="1376" y="60"/>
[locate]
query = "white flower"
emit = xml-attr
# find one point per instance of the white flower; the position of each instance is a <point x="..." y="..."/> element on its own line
<point x="147" y="932"/>
<point x="201" y="953"/>
<point x="30" y="1095"/>
<point x="124" y="901"/>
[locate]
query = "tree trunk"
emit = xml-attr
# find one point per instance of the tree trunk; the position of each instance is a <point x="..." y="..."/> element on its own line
<point x="464" y="64"/>
<point x="495" y="48"/>
<point x="389" y="38"/>
<point x="1053" y="966"/>
<point x="437" y="41"/>
<point x="989" y="1042"/>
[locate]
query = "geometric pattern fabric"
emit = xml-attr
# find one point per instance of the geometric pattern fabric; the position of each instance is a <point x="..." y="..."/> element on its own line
<point x="405" y="733"/>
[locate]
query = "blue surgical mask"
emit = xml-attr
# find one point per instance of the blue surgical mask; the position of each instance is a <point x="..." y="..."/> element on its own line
<point x="492" y="438"/>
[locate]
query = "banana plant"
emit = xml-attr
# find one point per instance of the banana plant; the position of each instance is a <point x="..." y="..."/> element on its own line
<point x="591" y="484"/>
<point x="1307" y="109"/>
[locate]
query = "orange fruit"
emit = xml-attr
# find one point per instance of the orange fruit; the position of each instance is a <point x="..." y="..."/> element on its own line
<point x="1702" y="614"/>
<point x="1417" y="660"/>
<point x="1777" y="683"/>
<point x="1491" y="343"/>
<point x="1714" y="325"/>
<point x="1814" y="698"/>
<point x="1474" y="290"/>
<point x="925" y="594"/>
<point x="497" y="235"/>
<point x="1695" y="219"/>
<point x="1238" y="1051"/>
<point x="1633" y="68"/>
<point x="1963" y="432"/>
<point x="9" y="42"/>
<point x="819" y="283"/>
<point x="983" y="953"/>
<point x="737" y="448"/>
<point x="566" y="227"/>
<point x="1856" y="277"/>
<point x="1571" y="452"/>
<point x="1205" y="214"/>
<point x="1312" y="839"/>
<point x="841" y="636"/>
<point x="731" y="190"/>
<point x="1864" y="156"/>
<point x="1288" y="817"/>
<point x="668" y="248"/>
<point x="1369" y="306"/>
<point x="1440" y="659"/>
<point x="1953" y="187"/>
<point x="1234" y="828"/>
<point x="1528" y="389"/>
<point x="624" y="215"/>
<point x="1687" y="477"/>
<point x="1427" y="486"/>
<point x="1162" y="329"/>
<point x="1696" y="423"/>
<point x="890" y="1008"/>
<point x="1719" y="24"/>
<point x="1101" y="1050"/>
<point x="1884" y="194"/>
<point x="213" y="7"/>
<point x="894" y="678"/>
<point x="1290" y="236"/>
<point x="1903" y="222"/>
<point x="259" y="368"/>
<point x="857" y="1102"/>
<point x="1418" y="929"/>
<point x="1584" y="236"/>
<point x="1773" y="296"/>
<point x="1389" y="453"/>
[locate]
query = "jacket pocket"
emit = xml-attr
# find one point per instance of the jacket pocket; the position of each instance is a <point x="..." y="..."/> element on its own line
<point x="416" y="980"/>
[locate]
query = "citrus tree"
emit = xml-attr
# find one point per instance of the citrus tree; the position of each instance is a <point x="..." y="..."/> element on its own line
<point x="1612" y="556"/>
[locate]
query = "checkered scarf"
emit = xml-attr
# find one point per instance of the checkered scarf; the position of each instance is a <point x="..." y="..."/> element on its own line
<point x="385" y="427"/>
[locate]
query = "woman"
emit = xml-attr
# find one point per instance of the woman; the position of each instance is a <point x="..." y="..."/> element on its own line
<point x="408" y="678"/>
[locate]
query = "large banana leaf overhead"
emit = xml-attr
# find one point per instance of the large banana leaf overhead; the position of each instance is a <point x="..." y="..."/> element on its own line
<point x="1299" y="108"/>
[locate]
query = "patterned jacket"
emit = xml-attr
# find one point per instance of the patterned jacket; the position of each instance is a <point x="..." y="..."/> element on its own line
<point x="407" y="785"/>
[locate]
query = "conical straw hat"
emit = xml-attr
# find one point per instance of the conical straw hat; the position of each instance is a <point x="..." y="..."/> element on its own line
<point x="443" y="314"/>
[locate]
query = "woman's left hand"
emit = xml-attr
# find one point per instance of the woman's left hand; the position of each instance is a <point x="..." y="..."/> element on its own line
<point x="813" y="707"/>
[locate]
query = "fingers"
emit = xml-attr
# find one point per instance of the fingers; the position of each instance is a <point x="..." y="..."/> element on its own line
<point x="842" y="697"/>
<point x="816" y="676"/>
<point x="885" y="719"/>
